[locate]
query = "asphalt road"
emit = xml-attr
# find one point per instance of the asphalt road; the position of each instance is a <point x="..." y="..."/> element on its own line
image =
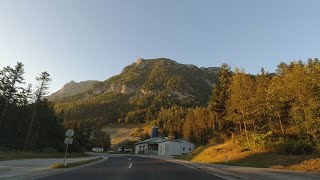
<point x="134" y="168"/>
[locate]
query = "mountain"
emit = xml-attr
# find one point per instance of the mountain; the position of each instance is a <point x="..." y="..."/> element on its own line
<point x="72" y="88"/>
<point x="140" y="91"/>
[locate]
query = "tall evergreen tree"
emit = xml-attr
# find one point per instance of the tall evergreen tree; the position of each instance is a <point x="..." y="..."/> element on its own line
<point x="240" y="101"/>
<point x="220" y="94"/>
<point x="40" y="93"/>
<point x="10" y="79"/>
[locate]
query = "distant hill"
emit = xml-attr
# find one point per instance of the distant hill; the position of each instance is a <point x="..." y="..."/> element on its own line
<point x="72" y="88"/>
<point x="139" y="91"/>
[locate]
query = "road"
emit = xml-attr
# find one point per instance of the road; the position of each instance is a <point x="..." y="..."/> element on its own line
<point x="133" y="168"/>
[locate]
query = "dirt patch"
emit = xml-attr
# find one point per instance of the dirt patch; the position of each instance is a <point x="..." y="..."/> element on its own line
<point x="121" y="133"/>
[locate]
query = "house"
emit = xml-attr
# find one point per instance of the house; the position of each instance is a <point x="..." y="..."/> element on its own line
<point x="175" y="147"/>
<point x="149" y="146"/>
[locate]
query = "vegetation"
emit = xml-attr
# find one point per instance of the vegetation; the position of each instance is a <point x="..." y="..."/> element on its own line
<point x="75" y="164"/>
<point x="276" y="112"/>
<point x="29" y="122"/>
<point x="239" y="156"/>
<point x="14" y="154"/>
<point x="139" y="92"/>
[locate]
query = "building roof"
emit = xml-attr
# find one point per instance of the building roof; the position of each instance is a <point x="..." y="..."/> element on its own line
<point x="155" y="140"/>
<point x="180" y="140"/>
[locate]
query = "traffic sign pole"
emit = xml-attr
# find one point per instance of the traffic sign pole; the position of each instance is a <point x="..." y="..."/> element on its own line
<point x="65" y="154"/>
<point x="69" y="134"/>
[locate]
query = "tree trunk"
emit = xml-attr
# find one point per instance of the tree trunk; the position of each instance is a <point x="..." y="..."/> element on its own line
<point x="30" y="127"/>
<point x="4" y="113"/>
<point x="280" y="122"/>
<point x="18" y="129"/>
<point x="245" y="129"/>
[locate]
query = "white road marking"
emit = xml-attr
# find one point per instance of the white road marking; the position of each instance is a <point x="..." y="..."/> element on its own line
<point x="130" y="165"/>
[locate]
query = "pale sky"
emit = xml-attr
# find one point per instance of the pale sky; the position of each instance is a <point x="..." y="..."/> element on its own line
<point x="93" y="40"/>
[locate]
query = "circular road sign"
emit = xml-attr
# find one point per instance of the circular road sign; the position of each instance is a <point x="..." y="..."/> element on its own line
<point x="69" y="133"/>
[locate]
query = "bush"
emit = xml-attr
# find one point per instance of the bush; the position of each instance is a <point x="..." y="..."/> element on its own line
<point x="57" y="165"/>
<point x="317" y="149"/>
<point x="294" y="145"/>
<point x="285" y="144"/>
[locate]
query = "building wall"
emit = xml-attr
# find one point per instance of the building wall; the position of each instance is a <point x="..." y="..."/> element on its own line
<point x="177" y="147"/>
<point x="186" y="146"/>
<point x="141" y="148"/>
<point x="169" y="148"/>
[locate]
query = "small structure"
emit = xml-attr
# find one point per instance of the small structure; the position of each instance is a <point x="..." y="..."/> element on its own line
<point x="154" y="132"/>
<point x="149" y="146"/>
<point x="96" y="149"/>
<point x="175" y="147"/>
<point x="120" y="149"/>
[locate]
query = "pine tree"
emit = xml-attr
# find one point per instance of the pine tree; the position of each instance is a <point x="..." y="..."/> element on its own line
<point x="220" y="95"/>
<point x="40" y="93"/>
<point x="10" y="79"/>
<point x="240" y="101"/>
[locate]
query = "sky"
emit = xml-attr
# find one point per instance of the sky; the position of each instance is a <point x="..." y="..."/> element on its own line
<point x="94" y="40"/>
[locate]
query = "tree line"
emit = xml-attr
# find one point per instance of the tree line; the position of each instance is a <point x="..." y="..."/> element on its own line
<point x="28" y="120"/>
<point x="279" y="111"/>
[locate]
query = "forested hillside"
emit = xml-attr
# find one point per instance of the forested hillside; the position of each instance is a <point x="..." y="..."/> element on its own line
<point x="277" y="112"/>
<point x="138" y="93"/>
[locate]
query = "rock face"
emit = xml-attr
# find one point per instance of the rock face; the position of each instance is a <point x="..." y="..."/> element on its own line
<point x="72" y="88"/>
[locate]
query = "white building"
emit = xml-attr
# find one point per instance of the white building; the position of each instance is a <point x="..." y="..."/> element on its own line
<point x="175" y="147"/>
<point x="149" y="146"/>
<point x="96" y="149"/>
<point x="160" y="146"/>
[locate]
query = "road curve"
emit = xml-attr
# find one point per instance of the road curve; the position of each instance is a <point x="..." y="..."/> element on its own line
<point x="133" y="168"/>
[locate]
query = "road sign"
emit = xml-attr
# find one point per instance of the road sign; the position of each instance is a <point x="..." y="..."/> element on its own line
<point x="69" y="133"/>
<point x="68" y="140"/>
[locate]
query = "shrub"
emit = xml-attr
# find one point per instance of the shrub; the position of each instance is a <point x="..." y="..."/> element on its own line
<point x="57" y="165"/>
<point x="301" y="144"/>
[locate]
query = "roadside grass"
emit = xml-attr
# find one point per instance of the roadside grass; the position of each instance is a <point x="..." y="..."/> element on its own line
<point x="11" y="155"/>
<point x="240" y="156"/>
<point x="75" y="164"/>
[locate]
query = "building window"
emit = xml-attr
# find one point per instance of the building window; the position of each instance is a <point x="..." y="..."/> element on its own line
<point x="184" y="149"/>
<point x="189" y="149"/>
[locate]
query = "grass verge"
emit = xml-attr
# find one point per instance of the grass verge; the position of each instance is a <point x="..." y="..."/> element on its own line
<point x="11" y="155"/>
<point x="75" y="164"/>
<point x="240" y="156"/>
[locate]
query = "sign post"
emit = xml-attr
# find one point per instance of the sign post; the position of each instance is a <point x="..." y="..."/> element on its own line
<point x="68" y="140"/>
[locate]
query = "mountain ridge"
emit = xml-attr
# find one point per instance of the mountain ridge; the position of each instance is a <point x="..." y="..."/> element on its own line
<point x="142" y="87"/>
